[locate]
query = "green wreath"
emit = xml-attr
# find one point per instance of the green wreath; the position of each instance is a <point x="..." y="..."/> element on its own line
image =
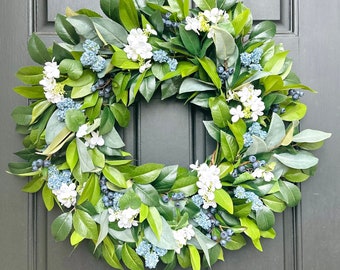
<point x="210" y="56"/>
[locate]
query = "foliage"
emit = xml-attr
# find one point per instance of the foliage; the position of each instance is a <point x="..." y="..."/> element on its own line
<point x="210" y="56"/>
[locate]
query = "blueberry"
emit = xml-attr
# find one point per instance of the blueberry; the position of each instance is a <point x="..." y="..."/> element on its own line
<point x="283" y="110"/>
<point x="214" y="237"/>
<point x="241" y="169"/>
<point x="224" y="234"/>
<point x="47" y="163"/>
<point x="34" y="168"/>
<point x="103" y="188"/>
<point x="223" y="242"/>
<point x="220" y="69"/>
<point x="256" y="164"/>
<point x="252" y="159"/>
<point x="217" y="223"/>
<point x="93" y="88"/>
<point x="295" y="96"/>
<point x="234" y="173"/>
<point x="230" y="232"/>
<point x="110" y="195"/>
<point x="230" y="71"/>
<point x="39" y="163"/>
<point x="177" y="204"/>
<point x="101" y="82"/>
<point x="165" y="198"/>
<point x="105" y="199"/>
<point x="262" y="162"/>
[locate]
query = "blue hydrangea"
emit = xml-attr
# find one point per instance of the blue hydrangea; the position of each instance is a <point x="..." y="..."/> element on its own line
<point x="159" y="251"/>
<point x="172" y="64"/>
<point x="143" y="248"/>
<point x="91" y="46"/>
<point x="160" y="56"/>
<point x="99" y="65"/>
<point x="240" y="192"/>
<point x="88" y="58"/>
<point x="256" y="67"/>
<point x="57" y="178"/>
<point x="115" y="201"/>
<point x="198" y="200"/>
<point x="256" y="130"/>
<point x="203" y="221"/>
<point x="65" y="105"/>
<point x="256" y="55"/>
<point x="245" y="59"/>
<point x="252" y="60"/>
<point x="151" y="260"/>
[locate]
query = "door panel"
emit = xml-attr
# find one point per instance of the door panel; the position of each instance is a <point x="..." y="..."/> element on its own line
<point x="171" y="133"/>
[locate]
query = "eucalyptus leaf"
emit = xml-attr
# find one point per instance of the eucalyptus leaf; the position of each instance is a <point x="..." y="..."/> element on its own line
<point x="300" y="160"/>
<point x="311" y="136"/>
<point x="194" y="85"/>
<point x="276" y="132"/>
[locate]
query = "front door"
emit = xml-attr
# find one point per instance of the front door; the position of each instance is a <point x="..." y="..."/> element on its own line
<point x="307" y="236"/>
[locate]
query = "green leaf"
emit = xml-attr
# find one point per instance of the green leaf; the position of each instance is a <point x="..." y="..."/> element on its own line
<point x="72" y="155"/>
<point x="224" y="200"/>
<point x="213" y="130"/>
<point x="39" y="108"/>
<point x="166" y="241"/>
<point x="258" y="146"/>
<point x="274" y="203"/>
<point x="148" y="87"/>
<point x="148" y="194"/>
<point x="296" y="176"/>
<point x="38" y="50"/>
<point x="265" y="30"/>
<point x="146" y="173"/>
<point x="130" y="257"/>
<point x="74" y="119"/>
<point x="237" y="241"/>
<point x="251" y="228"/>
<point x="22" y="115"/>
<point x="34" y="185"/>
<point x="61" y="226"/>
<point x="110" y="32"/>
<point x="91" y="191"/>
<point x="85" y="161"/>
<point x="30" y="74"/>
<point x="104" y="227"/>
<point x="185" y="184"/>
<point x="60" y="53"/>
<point x="31" y="92"/>
<point x="276" y="63"/>
<point x="113" y="139"/>
<point x="190" y="41"/>
<point x="276" y="132"/>
<point x="311" y="136"/>
<point x="109" y="251"/>
<point x="238" y="129"/>
<point x="121" y="114"/>
<point x="219" y="111"/>
<point x="210" y="68"/>
<point x="130" y="199"/>
<point x="84" y="225"/>
<point x="194" y="257"/>
<point x="300" y="160"/>
<point x="229" y="146"/>
<point x="194" y="85"/>
<point x="240" y="21"/>
<point x="290" y="193"/>
<point x="205" y="4"/>
<point x="87" y="79"/>
<point x="110" y="8"/>
<point x="65" y="30"/>
<point x="119" y="59"/>
<point x="155" y="221"/>
<point x="166" y="178"/>
<point x="84" y="27"/>
<point x="114" y="176"/>
<point x="265" y="218"/>
<point x="48" y="197"/>
<point x="107" y="121"/>
<point x="73" y="68"/>
<point x="224" y="44"/>
<point x="128" y="14"/>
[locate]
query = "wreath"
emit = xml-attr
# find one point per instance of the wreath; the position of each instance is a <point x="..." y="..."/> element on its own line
<point x="210" y="56"/>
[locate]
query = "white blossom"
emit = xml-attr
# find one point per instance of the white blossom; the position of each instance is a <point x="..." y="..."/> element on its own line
<point x="126" y="217"/>
<point x="192" y="24"/>
<point x="236" y="113"/>
<point x="138" y="47"/>
<point x="216" y="15"/>
<point x="66" y="195"/>
<point x="182" y="236"/>
<point x="262" y="173"/>
<point x="82" y="131"/>
<point x="94" y="140"/>
<point x="51" y="70"/>
<point x="145" y="66"/>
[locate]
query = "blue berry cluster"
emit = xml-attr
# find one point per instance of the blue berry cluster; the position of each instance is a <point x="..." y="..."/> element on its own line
<point x="104" y="87"/>
<point x="150" y="252"/>
<point x="110" y="198"/>
<point x="295" y="94"/>
<point x="39" y="163"/>
<point x="90" y="56"/>
<point x="176" y="197"/>
<point x="250" y="165"/>
<point x="241" y="193"/>
<point x="254" y="130"/>
<point x="225" y="236"/>
<point x="277" y="109"/>
<point x="161" y="56"/>
<point x="252" y="60"/>
<point x="224" y="73"/>
<point x="168" y="23"/>
<point x="56" y="178"/>
<point x="203" y="220"/>
<point x="65" y="105"/>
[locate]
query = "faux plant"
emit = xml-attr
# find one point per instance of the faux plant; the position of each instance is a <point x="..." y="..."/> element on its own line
<point x="210" y="56"/>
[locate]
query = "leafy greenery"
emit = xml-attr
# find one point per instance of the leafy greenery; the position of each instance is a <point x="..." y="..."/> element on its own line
<point x="211" y="57"/>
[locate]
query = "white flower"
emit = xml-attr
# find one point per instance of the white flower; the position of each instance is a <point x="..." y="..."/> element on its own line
<point x="144" y="67"/>
<point x="149" y="30"/>
<point x="261" y="173"/>
<point x="66" y="195"/>
<point x="236" y="113"/>
<point x="51" y="70"/>
<point x="126" y="217"/>
<point x="138" y="46"/>
<point x="192" y="24"/>
<point x="182" y="236"/>
<point x="94" y="140"/>
<point x="48" y="83"/>
<point x="216" y="15"/>
<point x="82" y="131"/>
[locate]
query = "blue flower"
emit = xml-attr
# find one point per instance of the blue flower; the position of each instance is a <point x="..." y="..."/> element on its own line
<point x="91" y="46"/>
<point x="143" y="248"/>
<point x="256" y="130"/>
<point x="256" y="55"/>
<point x="203" y="221"/>
<point x="160" y="56"/>
<point x="252" y="60"/>
<point x="159" y="251"/>
<point x="198" y="200"/>
<point x="245" y="59"/>
<point x="248" y="139"/>
<point x="256" y="67"/>
<point x="151" y="260"/>
<point x="65" y="105"/>
<point x="99" y="65"/>
<point x="240" y="193"/>
<point x="56" y="178"/>
<point x="88" y="58"/>
<point x="172" y="64"/>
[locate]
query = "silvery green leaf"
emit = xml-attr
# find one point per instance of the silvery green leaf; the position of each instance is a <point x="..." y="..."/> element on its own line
<point x="258" y="146"/>
<point x="311" y="136"/>
<point x="194" y="85"/>
<point x="276" y="132"/>
<point x="301" y="160"/>
<point x="125" y="235"/>
<point x="53" y="128"/>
